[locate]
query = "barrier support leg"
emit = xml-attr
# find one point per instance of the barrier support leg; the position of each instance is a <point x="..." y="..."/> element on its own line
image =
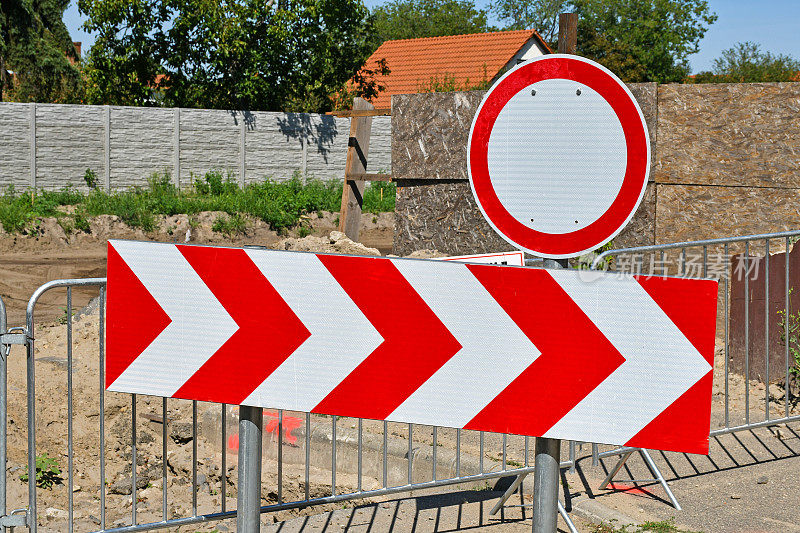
<point x="248" y="513"/>
<point x="656" y="472"/>
<point x="651" y="465"/>
<point x="507" y="494"/>
<point x="617" y="467"/>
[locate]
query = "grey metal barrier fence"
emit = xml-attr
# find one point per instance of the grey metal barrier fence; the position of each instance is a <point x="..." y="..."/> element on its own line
<point x="758" y="327"/>
<point x="313" y="459"/>
<point x="757" y="346"/>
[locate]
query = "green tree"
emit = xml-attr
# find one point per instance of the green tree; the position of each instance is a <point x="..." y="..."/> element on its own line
<point x="541" y="15"/>
<point x="35" y="45"/>
<point x="650" y="40"/>
<point x="747" y="63"/>
<point x="410" y="19"/>
<point x="247" y="54"/>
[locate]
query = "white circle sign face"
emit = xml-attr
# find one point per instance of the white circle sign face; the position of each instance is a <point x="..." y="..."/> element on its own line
<point x="558" y="156"/>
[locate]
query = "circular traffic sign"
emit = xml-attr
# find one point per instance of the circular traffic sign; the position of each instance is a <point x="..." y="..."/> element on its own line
<point x="559" y="156"/>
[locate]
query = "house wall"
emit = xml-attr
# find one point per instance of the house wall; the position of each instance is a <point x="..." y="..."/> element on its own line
<point x="51" y="146"/>
<point x="725" y="161"/>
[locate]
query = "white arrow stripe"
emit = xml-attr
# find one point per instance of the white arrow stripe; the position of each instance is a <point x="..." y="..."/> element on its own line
<point x="494" y="350"/>
<point x="657" y="356"/>
<point x="200" y="325"/>
<point x="337" y="326"/>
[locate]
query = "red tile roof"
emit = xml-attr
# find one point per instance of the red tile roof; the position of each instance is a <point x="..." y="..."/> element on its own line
<point x="467" y="58"/>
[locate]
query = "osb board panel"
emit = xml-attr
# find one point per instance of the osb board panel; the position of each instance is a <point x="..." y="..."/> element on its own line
<point x="691" y="213"/>
<point x="443" y="216"/>
<point x="646" y="95"/>
<point x="641" y="230"/>
<point x="430" y="130"/>
<point x="743" y="134"/>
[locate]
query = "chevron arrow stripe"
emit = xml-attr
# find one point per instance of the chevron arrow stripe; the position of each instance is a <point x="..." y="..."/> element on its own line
<point x="588" y="356"/>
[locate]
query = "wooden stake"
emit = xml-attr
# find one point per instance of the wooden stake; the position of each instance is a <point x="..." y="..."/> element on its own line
<point x="358" y="149"/>
<point x="567" y="33"/>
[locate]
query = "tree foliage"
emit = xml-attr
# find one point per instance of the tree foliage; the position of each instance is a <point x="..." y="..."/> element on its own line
<point x="540" y="15"/>
<point x="35" y="45"/>
<point x="747" y="63"/>
<point x="248" y="54"/>
<point x="410" y="19"/>
<point x="642" y="40"/>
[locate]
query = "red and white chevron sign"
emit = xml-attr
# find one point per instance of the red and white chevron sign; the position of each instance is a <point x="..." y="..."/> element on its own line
<point x="588" y="356"/>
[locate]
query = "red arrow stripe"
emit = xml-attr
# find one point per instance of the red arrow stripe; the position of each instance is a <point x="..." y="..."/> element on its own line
<point x="268" y="329"/>
<point x="416" y="343"/>
<point x="684" y="424"/>
<point x="138" y="319"/>
<point x="576" y="357"/>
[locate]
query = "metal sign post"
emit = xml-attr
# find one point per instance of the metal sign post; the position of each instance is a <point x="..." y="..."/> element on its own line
<point x="248" y="513"/>
<point x="546" y="468"/>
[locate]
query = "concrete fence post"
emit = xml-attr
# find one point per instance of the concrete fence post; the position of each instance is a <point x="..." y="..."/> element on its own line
<point x="107" y="147"/>
<point x="33" y="145"/>
<point x="242" y="150"/>
<point x="176" y="147"/>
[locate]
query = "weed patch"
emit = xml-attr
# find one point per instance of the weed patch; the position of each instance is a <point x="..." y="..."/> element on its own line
<point x="279" y="204"/>
<point x="47" y="472"/>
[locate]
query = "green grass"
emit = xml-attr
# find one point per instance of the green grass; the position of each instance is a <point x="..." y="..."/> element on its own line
<point x="279" y="204"/>
<point x="662" y="526"/>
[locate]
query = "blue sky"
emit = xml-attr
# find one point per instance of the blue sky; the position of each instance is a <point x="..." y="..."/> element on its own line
<point x="775" y="24"/>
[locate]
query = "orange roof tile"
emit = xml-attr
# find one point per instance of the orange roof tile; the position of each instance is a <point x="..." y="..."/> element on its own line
<point x="466" y="58"/>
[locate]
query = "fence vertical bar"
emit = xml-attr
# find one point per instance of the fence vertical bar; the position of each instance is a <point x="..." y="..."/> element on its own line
<point x="194" y="457"/>
<point x="308" y="453"/>
<point x="164" y="459"/>
<point x="505" y="446"/>
<point x="727" y="343"/>
<point x="458" y="452"/>
<point x="103" y="410"/>
<point x="251" y="424"/>
<point x="786" y="327"/>
<point x="527" y="462"/>
<point x="333" y="456"/>
<point x="747" y="332"/>
<point x="435" y="445"/>
<point x="410" y="452"/>
<point x="224" y="477"/>
<point x="766" y="328"/>
<point x="70" y="471"/>
<point x="572" y="456"/>
<point x="480" y="459"/>
<point x="31" y="398"/>
<point x="385" y="454"/>
<point x="360" y="452"/>
<point x="133" y="459"/>
<point x="280" y="455"/>
<point x="4" y="351"/>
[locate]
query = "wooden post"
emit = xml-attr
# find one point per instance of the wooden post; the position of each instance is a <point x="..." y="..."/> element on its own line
<point x="567" y="33"/>
<point x="357" y="151"/>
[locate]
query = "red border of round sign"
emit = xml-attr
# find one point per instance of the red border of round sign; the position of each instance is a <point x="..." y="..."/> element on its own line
<point x="638" y="156"/>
